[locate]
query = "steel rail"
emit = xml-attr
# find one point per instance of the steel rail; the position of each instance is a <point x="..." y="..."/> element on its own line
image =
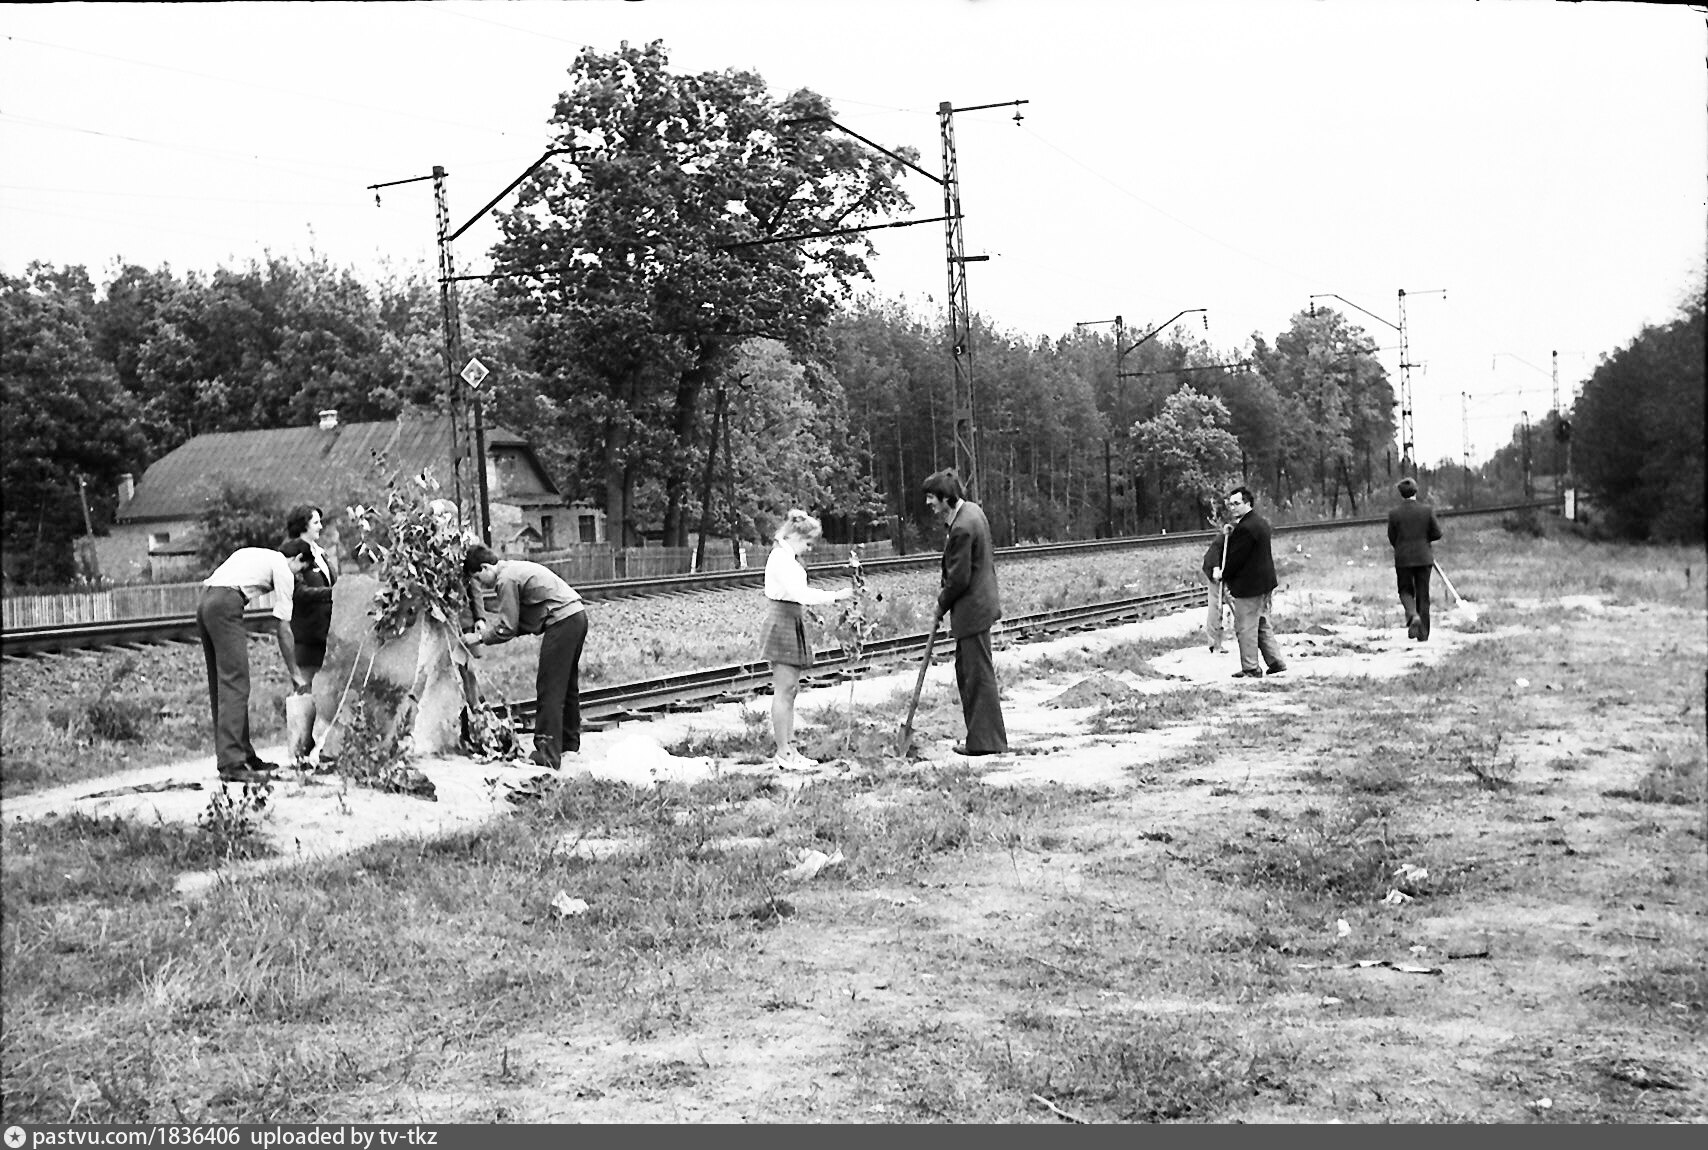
<point x="182" y="628"/>
<point x="755" y="576"/>
<point x="694" y="690"/>
<point x="119" y="633"/>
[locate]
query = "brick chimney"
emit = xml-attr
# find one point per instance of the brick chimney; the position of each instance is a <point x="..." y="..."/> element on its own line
<point x="127" y="489"/>
<point x="329" y="419"/>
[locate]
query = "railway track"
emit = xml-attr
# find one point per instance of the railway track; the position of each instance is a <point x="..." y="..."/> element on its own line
<point x="137" y="632"/>
<point x="695" y="690"/>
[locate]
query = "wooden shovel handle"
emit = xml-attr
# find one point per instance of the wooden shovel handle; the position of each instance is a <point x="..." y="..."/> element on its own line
<point x="919" y="684"/>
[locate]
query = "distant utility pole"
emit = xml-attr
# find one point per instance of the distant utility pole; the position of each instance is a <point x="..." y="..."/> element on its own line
<point x="1408" y="452"/>
<point x="1465" y="437"/>
<point x="1560" y="434"/>
<point x="1119" y="403"/>
<point x="960" y="315"/>
<point x="1126" y="428"/>
<point x="465" y="380"/>
<point x="1529" y="486"/>
<point x="1108" y="471"/>
<point x="448" y="314"/>
<point x="453" y="347"/>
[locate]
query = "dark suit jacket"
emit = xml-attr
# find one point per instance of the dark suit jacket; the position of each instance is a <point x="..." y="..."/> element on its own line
<point x="311" y="604"/>
<point x="968" y="593"/>
<point x="1250" y="569"/>
<point x="1411" y="530"/>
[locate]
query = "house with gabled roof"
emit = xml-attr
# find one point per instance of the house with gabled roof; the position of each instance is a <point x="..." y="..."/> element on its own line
<point x="329" y="465"/>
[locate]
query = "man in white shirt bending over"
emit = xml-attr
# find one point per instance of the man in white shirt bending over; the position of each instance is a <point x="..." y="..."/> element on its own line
<point x="250" y="572"/>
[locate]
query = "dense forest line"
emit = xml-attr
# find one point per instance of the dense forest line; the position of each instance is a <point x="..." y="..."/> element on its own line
<point x="675" y="355"/>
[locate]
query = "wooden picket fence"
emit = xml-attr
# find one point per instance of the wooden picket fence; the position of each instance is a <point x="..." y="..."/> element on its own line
<point x="109" y="605"/>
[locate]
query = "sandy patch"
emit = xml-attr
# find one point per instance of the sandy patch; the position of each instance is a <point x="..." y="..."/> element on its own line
<point x="316" y="816"/>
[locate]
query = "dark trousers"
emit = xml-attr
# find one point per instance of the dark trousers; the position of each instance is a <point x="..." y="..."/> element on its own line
<point x="225" y="643"/>
<point x="1414" y="596"/>
<point x="557" y="689"/>
<point x="975" y="678"/>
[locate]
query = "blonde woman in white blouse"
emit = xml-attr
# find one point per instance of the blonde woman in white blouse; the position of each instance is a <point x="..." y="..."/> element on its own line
<point x="783" y="639"/>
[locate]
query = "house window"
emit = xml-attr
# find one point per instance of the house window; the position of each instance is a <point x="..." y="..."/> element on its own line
<point x="546" y="533"/>
<point x="158" y="539"/>
<point x="589" y="529"/>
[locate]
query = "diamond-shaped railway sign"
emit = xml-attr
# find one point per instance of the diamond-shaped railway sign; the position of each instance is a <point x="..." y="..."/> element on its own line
<point x="475" y="372"/>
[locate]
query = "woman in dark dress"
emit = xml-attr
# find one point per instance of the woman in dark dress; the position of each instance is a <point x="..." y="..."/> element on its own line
<point x="311" y="603"/>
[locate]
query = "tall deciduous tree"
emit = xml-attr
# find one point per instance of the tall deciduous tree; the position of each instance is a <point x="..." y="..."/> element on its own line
<point x="1637" y="438"/>
<point x="783" y="423"/>
<point x="1337" y="403"/>
<point x="67" y="422"/>
<point x="237" y="514"/>
<point x="266" y="346"/>
<point x="642" y="260"/>
<point x="1189" y="453"/>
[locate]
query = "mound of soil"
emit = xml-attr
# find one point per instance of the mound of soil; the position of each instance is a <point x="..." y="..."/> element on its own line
<point x="1092" y="692"/>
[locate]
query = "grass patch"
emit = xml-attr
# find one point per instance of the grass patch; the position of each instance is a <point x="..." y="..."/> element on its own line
<point x="1350" y="852"/>
<point x="462" y="923"/>
<point x="1131" y="656"/>
<point x="106" y="858"/>
<point x="753" y="742"/>
<point x="78" y="716"/>
<point x="1138" y="712"/>
<point x="1192" y="1067"/>
<point x="1184" y="1068"/>
<point x="1675" y="777"/>
<point x="1384" y="770"/>
<point x="1672" y="989"/>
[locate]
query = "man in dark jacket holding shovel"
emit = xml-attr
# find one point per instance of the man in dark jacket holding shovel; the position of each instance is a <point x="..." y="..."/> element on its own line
<point x="1249" y="576"/>
<point x="968" y="596"/>
<point x="1411" y="530"/>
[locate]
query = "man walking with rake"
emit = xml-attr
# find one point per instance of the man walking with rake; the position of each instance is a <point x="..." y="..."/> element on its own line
<point x="1411" y="531"/>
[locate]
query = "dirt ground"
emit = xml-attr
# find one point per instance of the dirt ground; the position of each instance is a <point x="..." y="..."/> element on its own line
<point x="318" y="816"/>
<point x="1488" y="1036"/>
<point x="1386" y="1010"/>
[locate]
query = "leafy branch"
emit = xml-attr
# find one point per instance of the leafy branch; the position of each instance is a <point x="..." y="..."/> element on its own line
<point x="418" y="557"/>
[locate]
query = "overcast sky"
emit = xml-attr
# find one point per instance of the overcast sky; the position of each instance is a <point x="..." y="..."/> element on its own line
<point x="1544" y="163"/>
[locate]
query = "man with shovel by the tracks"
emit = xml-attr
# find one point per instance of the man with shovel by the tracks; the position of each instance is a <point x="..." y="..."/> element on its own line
<point x="1248" y="573"/>
<point x="968" y="596"/>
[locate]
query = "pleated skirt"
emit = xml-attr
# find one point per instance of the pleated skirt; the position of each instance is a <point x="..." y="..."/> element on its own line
<point x="783" y="635"/>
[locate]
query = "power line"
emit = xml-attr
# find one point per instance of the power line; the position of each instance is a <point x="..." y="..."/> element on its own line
<point x="305" y="168"/>
<point x="273" y="88"/>
<point x="131" y="194"/>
